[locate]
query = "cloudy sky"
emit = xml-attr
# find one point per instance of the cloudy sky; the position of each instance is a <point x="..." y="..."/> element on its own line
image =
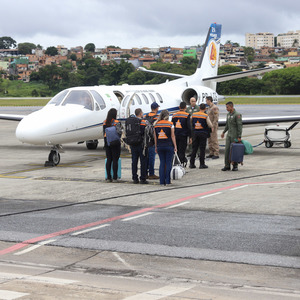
<point x="140" y="23"/>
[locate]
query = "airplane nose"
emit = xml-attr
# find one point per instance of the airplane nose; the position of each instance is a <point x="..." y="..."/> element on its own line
<point x="25" y="132"/>
<point x="29" y="130"/>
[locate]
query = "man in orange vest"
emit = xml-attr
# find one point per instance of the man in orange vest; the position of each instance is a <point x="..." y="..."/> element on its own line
<point x="200" y="127"/>
<point x="182" y="125"/>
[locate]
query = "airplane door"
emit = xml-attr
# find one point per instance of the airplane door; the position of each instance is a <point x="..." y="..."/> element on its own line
<point x="125" y="105"/>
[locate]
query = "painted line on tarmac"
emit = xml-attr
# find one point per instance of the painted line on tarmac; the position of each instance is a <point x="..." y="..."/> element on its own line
<point x="136" y="217"/>
<point x="239" y="187"/>
<point x="11" y="295"/>
<point x="40" y="167"/>
<point x="34" y="247"/>
<point x="166" y="291"/>
<point x="13" y="177"/>
<point x="211" y="195"/>
<point x="120" y="217"/>
<point x="90" y="229"/>
<point x="176" y="205"/>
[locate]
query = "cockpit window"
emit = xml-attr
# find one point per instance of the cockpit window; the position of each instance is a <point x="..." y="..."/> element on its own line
<point x="99" y="99"/>
<point x="56" y="100"/>
<point x="80" y="98"/>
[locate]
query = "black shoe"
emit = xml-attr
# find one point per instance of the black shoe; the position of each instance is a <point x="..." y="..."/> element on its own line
<point x="192" y="167"/>
<point x="144" y="182"/>
<point x="209" y="156"/>
<point x="203" y="167"/>
<point x="215" y="157"/>
<point x="235" y="168"/>
<point x="226" y="169"/>
<point x="136" y="181"/>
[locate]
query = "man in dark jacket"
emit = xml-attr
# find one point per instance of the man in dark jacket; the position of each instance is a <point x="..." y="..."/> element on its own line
<point x="182" y="124"/>
<point x="200" y="126"/>
<point x="137" y="152"/>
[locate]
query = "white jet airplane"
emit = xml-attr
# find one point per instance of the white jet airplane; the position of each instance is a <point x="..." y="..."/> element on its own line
<point x="77" y="114"/>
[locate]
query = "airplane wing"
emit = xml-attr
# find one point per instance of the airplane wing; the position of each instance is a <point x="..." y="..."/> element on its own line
<point x="11" y="117"/>
<point x="264" y="120"/>
<point x="236" y="75"/>
<point x="162" y="73"/>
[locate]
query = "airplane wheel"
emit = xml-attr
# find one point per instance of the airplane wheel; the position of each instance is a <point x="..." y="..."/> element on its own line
<point x="268" y="144"/>
<point x="54" y="157"/>
<point x="92" y="145"/>
<point x="287" y="144"/>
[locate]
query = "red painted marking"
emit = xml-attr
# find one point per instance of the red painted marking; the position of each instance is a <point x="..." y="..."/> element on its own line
<point x="137" y="212"/>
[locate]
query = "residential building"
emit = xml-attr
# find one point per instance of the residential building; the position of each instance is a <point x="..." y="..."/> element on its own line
<point x="289" y="39"/>
<point x="258" y="40"/>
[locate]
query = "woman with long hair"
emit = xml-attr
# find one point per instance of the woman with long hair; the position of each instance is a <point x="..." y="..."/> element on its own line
<point x="165" y="145"/>
<point x="112" y="151"/>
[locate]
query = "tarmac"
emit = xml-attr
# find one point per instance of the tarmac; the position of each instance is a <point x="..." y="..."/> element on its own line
<point x="267" y="184"/>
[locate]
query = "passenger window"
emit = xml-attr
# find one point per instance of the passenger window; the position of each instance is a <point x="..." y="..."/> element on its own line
<point x="97" y="106"/>
<point x="152" y="97"/>
<point x="159" y="98"/>
<point x="138" y="99"/>
<point x="99" y="99"/>
<point x="80" y="98"/>
<point x="56" y="100"/>
<point x="145" y="98"/>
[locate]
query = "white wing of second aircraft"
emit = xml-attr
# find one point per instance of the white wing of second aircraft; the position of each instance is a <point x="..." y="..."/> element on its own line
<point x="12" y="117"/>
<point x="264" y="120"/>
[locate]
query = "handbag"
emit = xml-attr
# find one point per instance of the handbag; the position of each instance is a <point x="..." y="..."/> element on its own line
<point x="177" y="171"/>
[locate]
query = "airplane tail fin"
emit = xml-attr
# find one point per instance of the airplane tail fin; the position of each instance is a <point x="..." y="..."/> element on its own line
<point x="209" y="60"/>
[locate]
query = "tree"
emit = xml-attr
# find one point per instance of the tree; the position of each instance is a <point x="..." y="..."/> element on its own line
<point x="126" y="56"/>
<point x="249" y="54"/>
<point x="26" y="48"/>
<point x="73" y="57"/>
<point x="52" y="51"/>
<point x="295" y="43"/>
<point x="90" y="47"/>
<point x="7" y="42"/>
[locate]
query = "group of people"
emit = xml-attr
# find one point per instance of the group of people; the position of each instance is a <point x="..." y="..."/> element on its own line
<point x="190" y="128"/>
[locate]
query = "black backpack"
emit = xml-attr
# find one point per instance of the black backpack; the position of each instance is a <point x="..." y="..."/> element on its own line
<point x="133" y="131"/>
<point x="149" y="132"/>
<point x="150" y="119"/>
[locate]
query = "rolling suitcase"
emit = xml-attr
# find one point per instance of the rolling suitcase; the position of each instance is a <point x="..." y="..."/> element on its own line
<point x="237" y="151"/>
<point x="111" y="171"/>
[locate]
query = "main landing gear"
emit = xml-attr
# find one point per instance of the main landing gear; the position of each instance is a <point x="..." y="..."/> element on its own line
<point x="54" y="156"/>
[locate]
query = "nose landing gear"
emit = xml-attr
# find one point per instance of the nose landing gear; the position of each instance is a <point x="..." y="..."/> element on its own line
<point x="54" y="157"/>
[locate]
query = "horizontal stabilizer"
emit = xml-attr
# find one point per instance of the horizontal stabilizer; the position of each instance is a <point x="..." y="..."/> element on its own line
<point x="12" y="117"/>
<point x="236" y="75"/>
<point x="161" y="73"/>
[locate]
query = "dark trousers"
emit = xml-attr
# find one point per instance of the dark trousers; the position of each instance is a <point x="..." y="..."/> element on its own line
<point x="112" y="157"/>
<point x="199" y="142"/>
<point x="181" y="142"/>
<point x="136" y="154"/>
<point x="151" y="160"/>
<point x="165" y="154"/>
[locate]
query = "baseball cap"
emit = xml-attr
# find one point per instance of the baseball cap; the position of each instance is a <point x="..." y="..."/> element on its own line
<point x="154" y="105"/>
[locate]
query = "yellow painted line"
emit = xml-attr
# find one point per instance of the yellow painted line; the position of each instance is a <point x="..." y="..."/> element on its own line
<point x="13" y="177"/>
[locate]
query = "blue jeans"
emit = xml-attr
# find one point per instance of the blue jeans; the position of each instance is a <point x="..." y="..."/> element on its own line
<point x="136" y="154"/>
<point x="151" y="160"/>
<point x="165" y="154"/>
